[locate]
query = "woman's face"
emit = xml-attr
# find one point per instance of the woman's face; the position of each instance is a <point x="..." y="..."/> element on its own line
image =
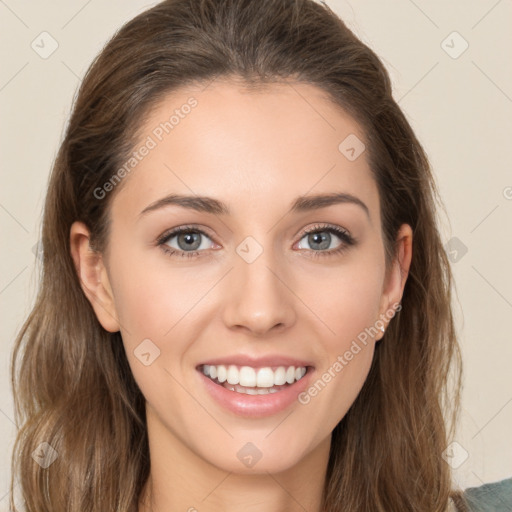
<point x="246" y="285"/>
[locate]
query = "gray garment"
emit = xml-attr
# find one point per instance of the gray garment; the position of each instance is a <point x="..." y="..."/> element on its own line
<point x="493" y="497"/>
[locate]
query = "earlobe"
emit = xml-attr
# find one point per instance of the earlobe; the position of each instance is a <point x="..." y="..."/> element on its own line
<point x="93" y="277"/>
<point x="394" y="289"/>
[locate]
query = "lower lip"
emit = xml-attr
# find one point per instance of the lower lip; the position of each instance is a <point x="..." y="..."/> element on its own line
<point x="256" y="406"/>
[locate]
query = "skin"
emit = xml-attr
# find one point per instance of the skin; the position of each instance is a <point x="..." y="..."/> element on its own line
<point x="256" y="151"/>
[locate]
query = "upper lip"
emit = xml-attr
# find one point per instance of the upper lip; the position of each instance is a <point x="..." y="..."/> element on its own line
<point x="257" y="362"/>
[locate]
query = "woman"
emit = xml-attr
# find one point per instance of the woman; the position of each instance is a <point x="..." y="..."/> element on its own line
<point x="231" y="313"/>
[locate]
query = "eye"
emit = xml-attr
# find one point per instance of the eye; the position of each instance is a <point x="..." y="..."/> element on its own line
<point x="319" y="237"/>
<point x="188" y="241"/>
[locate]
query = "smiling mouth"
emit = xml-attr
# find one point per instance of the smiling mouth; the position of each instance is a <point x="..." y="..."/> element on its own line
<point x="254" y="381"/>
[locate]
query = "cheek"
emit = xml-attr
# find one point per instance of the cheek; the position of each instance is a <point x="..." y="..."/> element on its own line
<point x="347" y="351"/>
<point x="348" y="305"/>
<point x="346" y="300"/>
<point x="151" y="299"/>
<point x="164" y="303"/>
<point x="153" y="303"/>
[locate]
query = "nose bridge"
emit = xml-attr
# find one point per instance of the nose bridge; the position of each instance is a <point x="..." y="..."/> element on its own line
<point x="258" y="298"/>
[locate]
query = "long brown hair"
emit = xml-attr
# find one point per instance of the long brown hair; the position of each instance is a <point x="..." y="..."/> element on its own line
<point x="72" y="384"/>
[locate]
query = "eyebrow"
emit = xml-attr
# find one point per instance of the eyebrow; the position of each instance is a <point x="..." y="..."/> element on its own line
<point x="214" y="206"/>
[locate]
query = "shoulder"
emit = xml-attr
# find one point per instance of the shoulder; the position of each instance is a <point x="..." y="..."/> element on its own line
<point x="491" y="497"/>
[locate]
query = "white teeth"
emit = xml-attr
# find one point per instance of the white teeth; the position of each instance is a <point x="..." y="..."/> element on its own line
<point x="299" y="373"/>
<point x="249" y="377"/>
<point x="222" y="373"/>
<point x="252" y="391"/>
<point x="265" y="378"/>
<point x="290" y="375"/>
<point x="280" y="376"/>
<point x="233" y="375"/>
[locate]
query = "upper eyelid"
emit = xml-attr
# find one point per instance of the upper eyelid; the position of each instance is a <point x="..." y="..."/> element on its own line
<point x="171" y="233"/>
<point x="325" y="227"/>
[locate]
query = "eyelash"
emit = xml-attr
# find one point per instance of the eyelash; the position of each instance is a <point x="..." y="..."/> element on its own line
<point x="346" y="238"/>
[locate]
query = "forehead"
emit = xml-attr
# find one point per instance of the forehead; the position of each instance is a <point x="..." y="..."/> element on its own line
<point x="268" y="145"/>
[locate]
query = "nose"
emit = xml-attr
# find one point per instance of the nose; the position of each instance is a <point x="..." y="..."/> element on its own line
<point x="259" y="299"/>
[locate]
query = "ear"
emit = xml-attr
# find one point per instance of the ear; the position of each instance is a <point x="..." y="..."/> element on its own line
<point x="93" y="277"/>
<point x="394" y="286"/>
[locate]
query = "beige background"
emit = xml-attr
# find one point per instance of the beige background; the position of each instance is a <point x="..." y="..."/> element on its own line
<point x="459" y="103"/>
